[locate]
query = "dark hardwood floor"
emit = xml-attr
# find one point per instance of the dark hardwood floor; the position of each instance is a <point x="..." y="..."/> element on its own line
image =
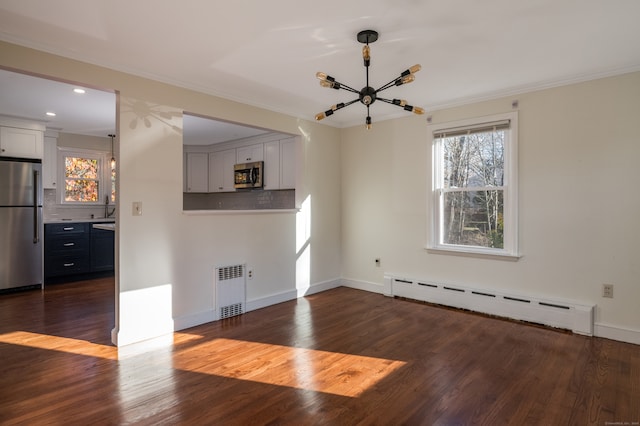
<point x="341" y="357"/>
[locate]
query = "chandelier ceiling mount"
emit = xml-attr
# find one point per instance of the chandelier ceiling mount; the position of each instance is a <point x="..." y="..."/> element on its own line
<point x="368" y="95"/>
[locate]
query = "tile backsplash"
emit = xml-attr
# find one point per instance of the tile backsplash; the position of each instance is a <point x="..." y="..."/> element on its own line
<point x="53" y="211"/>
<point x="240" y="200"/>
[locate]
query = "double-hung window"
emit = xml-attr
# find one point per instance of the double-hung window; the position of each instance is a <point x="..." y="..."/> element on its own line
<point x="87" y="177"/>
<point x="474" y="195"/>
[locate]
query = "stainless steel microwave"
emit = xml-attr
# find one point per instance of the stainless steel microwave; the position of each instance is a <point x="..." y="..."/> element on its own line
<point x="248" y="175"/>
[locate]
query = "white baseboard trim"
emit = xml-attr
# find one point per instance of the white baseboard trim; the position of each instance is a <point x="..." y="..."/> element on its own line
<point x="188" y="321"/>
<point x="137" y="348"/>
<point x="320" y="287"/>
<point x="363" y="285"/>
<point x="285" y="296"/>
<point x="192" y="320"/>
<point x="120" y="339"/>
<point x="142" y="334"/>
<point x="273" y="299"/>
<point x="613" y="332"/>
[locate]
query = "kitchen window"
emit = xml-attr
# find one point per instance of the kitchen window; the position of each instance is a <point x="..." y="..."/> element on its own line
<point x="474" y="196"/>
<point x="87" y="176"/>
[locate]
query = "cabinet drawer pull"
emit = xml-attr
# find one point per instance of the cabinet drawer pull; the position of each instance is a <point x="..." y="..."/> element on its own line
<point x="66" y="265"/>
<point x="70" y="228"/>
<point x="69" y="244"/>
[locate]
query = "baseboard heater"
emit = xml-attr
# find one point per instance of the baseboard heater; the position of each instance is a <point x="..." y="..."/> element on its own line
<point x="230" y="291"/>
<point x="577" y="317"/>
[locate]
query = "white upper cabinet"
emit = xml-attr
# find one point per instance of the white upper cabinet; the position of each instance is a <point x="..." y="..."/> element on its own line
<point x="288" y="163"/>
<point x="271" y="171"/>
<point x="50" y="162"/>
<point x="197" y="172"/>
<point x="279" y="158"/>
<point x="279" y="164"/>
<point x="21" y="143"/>
<point x="221" y="170"/>
<point x="250" y="153"/>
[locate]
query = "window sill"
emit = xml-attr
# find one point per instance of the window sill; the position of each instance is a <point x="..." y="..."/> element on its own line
<point x="476" y="254"/>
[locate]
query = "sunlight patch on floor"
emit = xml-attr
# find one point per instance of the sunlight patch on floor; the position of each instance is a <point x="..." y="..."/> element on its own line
<point x="84" y="347"/>
<point x="60" y="344"/>
<point x="322" y="371"/>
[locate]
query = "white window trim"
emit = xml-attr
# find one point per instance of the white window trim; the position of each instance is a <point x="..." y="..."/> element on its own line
<point x="510" y="250"/>
<point x="104" y="187"/>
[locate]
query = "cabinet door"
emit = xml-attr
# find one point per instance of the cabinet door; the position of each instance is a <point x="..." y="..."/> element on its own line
<point x="221" y="170"/>
<point x="66" y="249"/>
<point x="288" y="163"/>
<point x="271" y="170"/>
<point x="102" y="250"/>
<point x="228" y="161"/>
<point x="250" y="153"/>
<point x="22" y="143"/>
<point x="197" y="172"/>
<point x="50" y="162"/>
<point x="216" y="172"/>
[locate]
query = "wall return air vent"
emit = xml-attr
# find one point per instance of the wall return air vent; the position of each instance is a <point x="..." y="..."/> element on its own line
<point x="230" y="291"/>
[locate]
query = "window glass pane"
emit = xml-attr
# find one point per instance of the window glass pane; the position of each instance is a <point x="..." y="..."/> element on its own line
<point x="83" y="168"/>
<point x="473" y="218"/>
<point x="80" y="190"/>
<point x="474" y="160"/>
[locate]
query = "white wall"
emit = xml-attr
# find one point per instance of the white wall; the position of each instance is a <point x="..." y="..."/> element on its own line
<point x="166" y="259"/>
<point x="167" y="249"/>
<point x="366" y="193"/>
<point x="578" y="207"/>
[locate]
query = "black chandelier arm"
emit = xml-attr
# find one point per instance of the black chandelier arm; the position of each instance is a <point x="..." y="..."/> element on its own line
<point x="347" y="88"/>
<point x="399" y="81"/>
<point x="386" y="86"/>
<point x="331" y="83"/>
<point x="402" y="104"/>
<point x="406" y="76"/>
<point x="334" y="108"/>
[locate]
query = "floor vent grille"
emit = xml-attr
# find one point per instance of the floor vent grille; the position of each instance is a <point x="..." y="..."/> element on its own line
<point x="569" y="315"/>
<point x="230" y="291"/>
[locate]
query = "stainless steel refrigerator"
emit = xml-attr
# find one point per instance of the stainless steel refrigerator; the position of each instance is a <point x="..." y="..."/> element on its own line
<point x="20" y="223"/>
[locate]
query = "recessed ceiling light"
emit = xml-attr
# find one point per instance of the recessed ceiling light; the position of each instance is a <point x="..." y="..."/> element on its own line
<point x="79" y="90"/>
<point x="51" y="114"/>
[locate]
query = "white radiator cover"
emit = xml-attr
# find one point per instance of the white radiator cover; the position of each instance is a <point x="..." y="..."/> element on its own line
<point x="577" y="317"/>
<point x="230" y="284"/>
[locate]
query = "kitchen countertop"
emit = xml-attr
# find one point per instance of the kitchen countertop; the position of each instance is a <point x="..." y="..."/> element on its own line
<point x="94" y="220"/>
<point x="105" y="226"/>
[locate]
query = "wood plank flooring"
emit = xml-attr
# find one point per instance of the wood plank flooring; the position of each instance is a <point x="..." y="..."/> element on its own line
<point x="342" y="357"/>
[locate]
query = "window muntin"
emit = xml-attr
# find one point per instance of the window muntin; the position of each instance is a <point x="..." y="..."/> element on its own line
<point x="87" y="176"/>
<point x="81" y="181"/>
<point x="474" y="191"/>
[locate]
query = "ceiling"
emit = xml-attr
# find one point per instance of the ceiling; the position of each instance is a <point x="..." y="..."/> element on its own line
<point x="266" y="54"/>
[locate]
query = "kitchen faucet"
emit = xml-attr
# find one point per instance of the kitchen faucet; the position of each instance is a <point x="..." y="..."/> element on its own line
<point x="106" y="208"/>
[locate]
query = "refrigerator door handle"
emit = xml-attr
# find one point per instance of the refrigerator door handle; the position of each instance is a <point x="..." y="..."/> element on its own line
<point x="36" y="228"/>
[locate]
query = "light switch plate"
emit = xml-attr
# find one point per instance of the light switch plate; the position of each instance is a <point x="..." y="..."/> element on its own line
<point x="136" y="208"/>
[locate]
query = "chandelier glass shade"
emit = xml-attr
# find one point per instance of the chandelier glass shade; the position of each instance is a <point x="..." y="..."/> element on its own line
<point x="368" y="95"/>
<point x="113" y="158"/>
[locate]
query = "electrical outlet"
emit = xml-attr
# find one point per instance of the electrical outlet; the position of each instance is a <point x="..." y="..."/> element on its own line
<point x="250" y="274"/>
<point x="378" y="262"/>
<point x="607" y="290"/>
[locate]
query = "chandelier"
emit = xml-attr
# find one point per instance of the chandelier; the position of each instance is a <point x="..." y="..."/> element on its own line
<point x="368" y="95"/>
